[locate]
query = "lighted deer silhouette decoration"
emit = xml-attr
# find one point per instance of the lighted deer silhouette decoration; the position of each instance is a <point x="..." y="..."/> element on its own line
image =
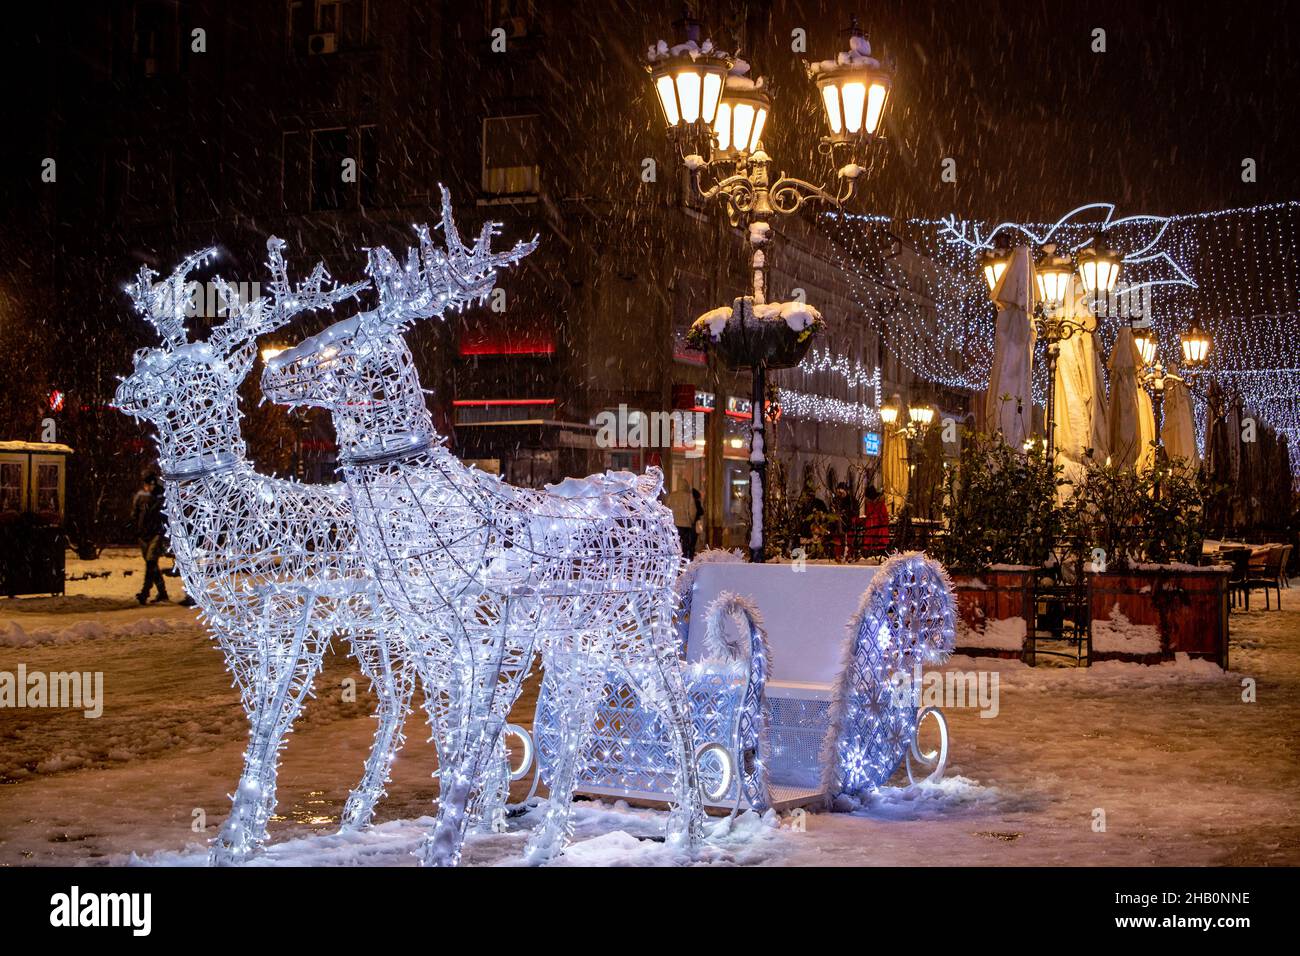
<point x="487" y="572"/>
<point x="273" y="565"/>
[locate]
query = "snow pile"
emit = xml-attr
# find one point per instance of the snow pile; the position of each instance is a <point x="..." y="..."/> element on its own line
<point x="797" y="315"/>
<point x="927" y="798"/>
<point x="1004" y="634"/>
<point x="747" y="317"/>
<point x="858" y="54"/>
<point x="716" y="320"/>
<point x="605" y="834"/>
<point x="662" y="51"/>
<point x="13" y="634"/>
<point x="1118" y="635"/>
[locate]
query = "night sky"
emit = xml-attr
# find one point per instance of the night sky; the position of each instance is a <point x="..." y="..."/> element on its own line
<point x="1038" y="123"/>
<point x="1009" y="89"/>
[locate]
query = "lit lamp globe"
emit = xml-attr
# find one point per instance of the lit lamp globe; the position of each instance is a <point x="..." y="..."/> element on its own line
<point x="889" y="412"/>
<point x="1145" y="340"/>
<point x="1196" y="346"/>
<point x="688" y="78"/>
<point x="1098" y="268"/>
<point x="921" y="415"/>
<point x="993" y="262"/>
<point x="1053" y="275"/>
<point x="742" y="114"/>
<point x="854" y="90"/>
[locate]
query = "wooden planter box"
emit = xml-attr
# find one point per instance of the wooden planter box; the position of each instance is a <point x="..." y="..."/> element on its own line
<point x="995" y="608"/>
<point x="1150" y="614"/>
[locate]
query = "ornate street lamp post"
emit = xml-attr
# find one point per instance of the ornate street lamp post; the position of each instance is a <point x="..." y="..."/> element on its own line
<point x="1053" y="276"/>
<point x="716" y="115"/>
<point x="1098" y="270"/>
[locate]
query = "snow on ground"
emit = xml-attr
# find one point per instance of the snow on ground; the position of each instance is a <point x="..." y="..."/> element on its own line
<point x="1182" y="770"/>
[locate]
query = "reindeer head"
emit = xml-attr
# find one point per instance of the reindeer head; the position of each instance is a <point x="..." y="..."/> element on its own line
<point x="363" y="361"/>
<point x="179" y="385"/>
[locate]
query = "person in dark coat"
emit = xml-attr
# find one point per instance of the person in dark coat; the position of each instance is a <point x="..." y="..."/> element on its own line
<point x="151" y="530"/>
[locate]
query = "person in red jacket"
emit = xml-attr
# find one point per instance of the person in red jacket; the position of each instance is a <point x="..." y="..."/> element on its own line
<point x="875" y="519"/>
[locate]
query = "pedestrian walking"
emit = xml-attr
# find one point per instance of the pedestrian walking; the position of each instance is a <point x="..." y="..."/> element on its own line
<point x="151" y="530"/>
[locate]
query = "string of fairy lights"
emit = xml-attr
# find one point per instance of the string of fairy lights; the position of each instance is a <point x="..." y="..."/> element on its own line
<point x="1234" y="271"/>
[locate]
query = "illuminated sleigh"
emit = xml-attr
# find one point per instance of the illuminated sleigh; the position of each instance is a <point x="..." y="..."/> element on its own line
<point x="766" y="742"/>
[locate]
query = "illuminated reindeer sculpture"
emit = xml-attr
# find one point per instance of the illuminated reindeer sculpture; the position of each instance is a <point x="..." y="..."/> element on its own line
<point x="486" y="572"/>
<point x="273" y="565"/>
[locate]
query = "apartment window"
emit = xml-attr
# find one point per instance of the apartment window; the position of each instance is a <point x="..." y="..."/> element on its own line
<point x="155" y="37"/>
<point x="150" y="191"/>
<point x="323" y="27"/>
<point x="313" y="174"/>
<point x="510" y="155"/>
<point x="368" y="165"/>
<point x="329" y="150"/>
<point x="516" y="17"/>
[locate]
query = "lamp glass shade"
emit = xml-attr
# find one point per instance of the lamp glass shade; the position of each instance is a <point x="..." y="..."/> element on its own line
<point x="1098" y="269"/>
<point x="1196" y="346"/>
<point x="1053" y="275"/>
<point x="689" y="90"/>
<point x="1053" y="283"/>
<point x="921" y="414"/>
<point x="1145" y="340"/>
<point x="740" y="121"/>
<point x="854" y="99"/>
<point x="889" y="414"/>
<point x="994" y="262"/>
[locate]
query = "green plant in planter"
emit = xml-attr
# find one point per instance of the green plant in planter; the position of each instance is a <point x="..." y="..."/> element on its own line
<point x="1174" y="521"/>
<point x="1119" y="511"/>
<point x="1105" y="512"/>
<point x="999" y="506"/>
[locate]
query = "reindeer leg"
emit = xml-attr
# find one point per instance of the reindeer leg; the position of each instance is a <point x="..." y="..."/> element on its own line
<point x="394" y="683"/>
<point x="578" y="684"/>
<point x="282" y="683"/>
<point x="481" y="760"/>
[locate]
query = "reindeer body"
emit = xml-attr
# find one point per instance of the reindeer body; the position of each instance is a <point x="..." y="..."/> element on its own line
<point x="486" y="574"/>
<point x="272" y="608"/>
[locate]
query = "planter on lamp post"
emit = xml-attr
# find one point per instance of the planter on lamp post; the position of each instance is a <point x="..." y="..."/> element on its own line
<point x="759" y="336"/>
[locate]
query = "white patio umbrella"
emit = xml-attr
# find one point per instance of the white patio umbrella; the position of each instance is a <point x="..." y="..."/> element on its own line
<point x="1081" y="413"/>
<point x="1131" y="419"/>
<point x="1013" y="353"/>
<point x="1179" y="431"/>
<point x="894" y="472"/>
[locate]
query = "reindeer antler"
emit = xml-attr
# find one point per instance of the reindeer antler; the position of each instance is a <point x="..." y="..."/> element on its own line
<point x="249" y="320"/>
<point x="434" y="280"/>
<point x="164" y="303"/>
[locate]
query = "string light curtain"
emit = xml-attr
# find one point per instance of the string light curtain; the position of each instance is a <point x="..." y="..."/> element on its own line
<point x="1234" y="270"/>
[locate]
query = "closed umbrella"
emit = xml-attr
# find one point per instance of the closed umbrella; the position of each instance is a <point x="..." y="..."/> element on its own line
<point x="1013" y="353"/>
<point x="1131" y="418"/>
<point x="894" y="474"/>
<point x="1179" y="431"/>
<point x="1081" y="414"/>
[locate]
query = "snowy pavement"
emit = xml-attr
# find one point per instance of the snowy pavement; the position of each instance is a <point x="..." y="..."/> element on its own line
<point x="1181" y="770"/>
